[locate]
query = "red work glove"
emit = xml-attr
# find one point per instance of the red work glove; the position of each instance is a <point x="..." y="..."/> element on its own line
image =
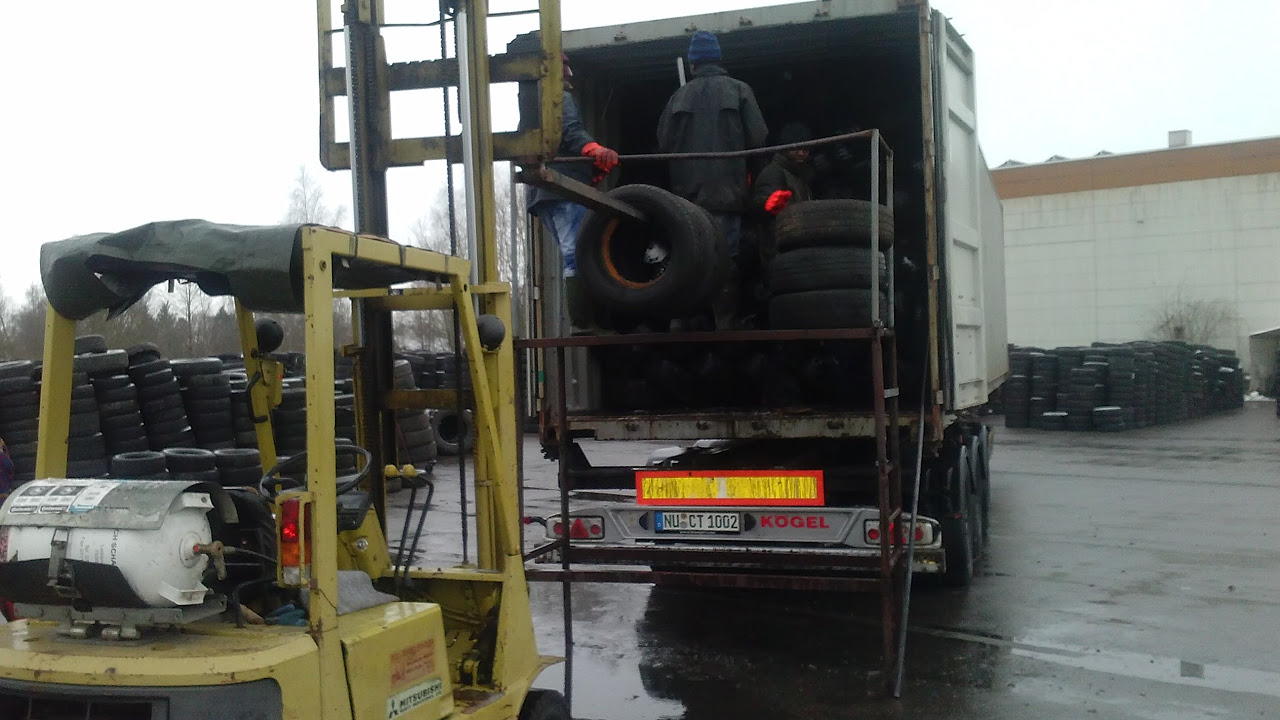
<point x="777" y="201"/>
<point x="605" y="158"/>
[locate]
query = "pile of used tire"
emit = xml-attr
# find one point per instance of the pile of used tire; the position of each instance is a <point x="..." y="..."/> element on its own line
<point x="1116" y="387"/>
<point x="19" y="415"/>
<point x="135" y="412"/>
<point x="452" y="432"/>
<point x="822" y="275"/>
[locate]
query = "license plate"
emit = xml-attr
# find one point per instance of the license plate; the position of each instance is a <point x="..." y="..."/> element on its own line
<point x="716" y="522"/>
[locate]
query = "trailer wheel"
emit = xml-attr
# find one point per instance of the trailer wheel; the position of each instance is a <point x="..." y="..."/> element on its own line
<point x="978" y="458"/>
<point x="957" y="538"/>
<point x="818" y="223"/>
<point x="650" y="268"/>
<point x="544" y="705"/>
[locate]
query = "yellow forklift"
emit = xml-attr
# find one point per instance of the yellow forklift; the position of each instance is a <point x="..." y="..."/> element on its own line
<point x="175" y="600"/>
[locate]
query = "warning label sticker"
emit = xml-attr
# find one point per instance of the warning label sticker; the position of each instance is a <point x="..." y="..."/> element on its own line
<point x="55" y="498"/>
<point x="413" y="664"/>
<point x="415" y="696"/>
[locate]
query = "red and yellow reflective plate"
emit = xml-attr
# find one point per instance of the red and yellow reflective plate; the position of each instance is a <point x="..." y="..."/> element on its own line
<point x="798" y="488"/>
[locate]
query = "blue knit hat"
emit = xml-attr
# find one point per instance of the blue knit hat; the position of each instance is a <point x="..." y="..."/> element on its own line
<point x="704" y="46"/>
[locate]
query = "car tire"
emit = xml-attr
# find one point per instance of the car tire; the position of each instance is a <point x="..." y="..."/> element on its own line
<point x="818" y="223"/>
<point x="112" y="362"/>
<point x="146" y="462"/>
<point x="823" y="268"/>
<point x="86" y="344"/>
<point x="822" y="309"/>
<point x="185" y="460"/>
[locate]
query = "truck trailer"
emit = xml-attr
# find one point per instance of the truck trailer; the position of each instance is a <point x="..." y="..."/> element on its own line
<point x="789" y="446"/>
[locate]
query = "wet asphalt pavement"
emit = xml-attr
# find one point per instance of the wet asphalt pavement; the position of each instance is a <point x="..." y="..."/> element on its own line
<point x="1132" y="575"/>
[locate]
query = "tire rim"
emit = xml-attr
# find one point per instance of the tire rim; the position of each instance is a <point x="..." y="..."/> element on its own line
<point x="631" y="259"/>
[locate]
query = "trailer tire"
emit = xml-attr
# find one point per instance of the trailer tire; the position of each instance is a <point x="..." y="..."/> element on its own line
<point x="957" y="539"/>
<point x="611" y="255"/>
<point x="823" y="268"/>
<point x="819" y="223"/>
<point x="544" y="705"/>
<point x="980" y="457"/>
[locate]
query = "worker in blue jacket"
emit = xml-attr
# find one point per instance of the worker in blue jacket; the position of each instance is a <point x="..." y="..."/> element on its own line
<point x="561" y="217"/>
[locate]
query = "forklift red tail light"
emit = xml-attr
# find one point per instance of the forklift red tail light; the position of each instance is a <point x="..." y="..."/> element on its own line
<point x="294" y="531"/>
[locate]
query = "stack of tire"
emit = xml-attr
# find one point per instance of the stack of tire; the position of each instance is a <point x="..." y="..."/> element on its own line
<point x="1087" y="391"/>
<point x="19" y="416"/>
<point x="242" y="425"/>
<point x="86" y="445"/>
<point x="1114" y="387"/>
<point x="289" y="421"/>
<point x="160" y="394"/>
<point x="1044" y="393"/>
<point x="670" y="265"/>
<point x="206" y="396"/>
<point x="1121" y="385"/>
<point x="415" y="437"/>
<point x="122" y="424"/>
<point x="823" y="273"/>
<point x="1017" y="390"/>
<point x="450" y="371"/>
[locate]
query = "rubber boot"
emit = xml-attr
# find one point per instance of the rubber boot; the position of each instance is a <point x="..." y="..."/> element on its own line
<point x="725" y="305"/>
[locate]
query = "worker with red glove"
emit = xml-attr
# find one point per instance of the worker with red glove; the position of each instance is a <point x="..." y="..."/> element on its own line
<point x="784" y="181"/>
<point x="562" y="218"/>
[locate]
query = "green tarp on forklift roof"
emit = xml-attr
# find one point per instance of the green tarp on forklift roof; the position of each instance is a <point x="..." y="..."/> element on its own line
<point x="259" y="266"/>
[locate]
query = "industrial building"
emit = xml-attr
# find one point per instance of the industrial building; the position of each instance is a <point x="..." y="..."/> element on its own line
<point x="1178" y="242"/>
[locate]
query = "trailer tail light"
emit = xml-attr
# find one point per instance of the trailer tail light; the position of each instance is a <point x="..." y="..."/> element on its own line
<point x="586" y="527"/>
<point x="924" y="532"/>
<point x="293" y="533"/>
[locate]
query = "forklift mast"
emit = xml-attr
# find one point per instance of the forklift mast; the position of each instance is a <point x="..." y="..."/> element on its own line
<point x="367" y="82"/>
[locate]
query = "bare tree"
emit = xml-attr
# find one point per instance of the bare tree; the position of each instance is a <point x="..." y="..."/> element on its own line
<point x="26" y="325"/>
<point x="307" y="203"/>
<point x="434" y="330"/>
<point x="1195" y="320"/>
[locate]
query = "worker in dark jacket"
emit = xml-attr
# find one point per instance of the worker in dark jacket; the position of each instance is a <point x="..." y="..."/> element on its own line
<point x="562" y="218"/>
<point x="712" y="113"/>
<point x="786" y="179"/>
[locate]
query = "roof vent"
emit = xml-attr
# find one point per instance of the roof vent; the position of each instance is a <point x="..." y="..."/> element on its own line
<point x="1179" y="138"/>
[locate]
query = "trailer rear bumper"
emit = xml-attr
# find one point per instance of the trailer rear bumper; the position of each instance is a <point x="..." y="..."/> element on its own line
<point x="781" y="539"/>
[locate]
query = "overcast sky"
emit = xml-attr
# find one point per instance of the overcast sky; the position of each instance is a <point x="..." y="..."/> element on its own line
<point x="123" y="113"/>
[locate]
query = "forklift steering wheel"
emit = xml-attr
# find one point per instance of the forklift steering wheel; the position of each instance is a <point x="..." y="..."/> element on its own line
<point x="272" y="479"/>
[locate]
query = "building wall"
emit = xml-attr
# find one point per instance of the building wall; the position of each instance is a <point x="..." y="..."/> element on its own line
<point x="1099" y="265"/>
